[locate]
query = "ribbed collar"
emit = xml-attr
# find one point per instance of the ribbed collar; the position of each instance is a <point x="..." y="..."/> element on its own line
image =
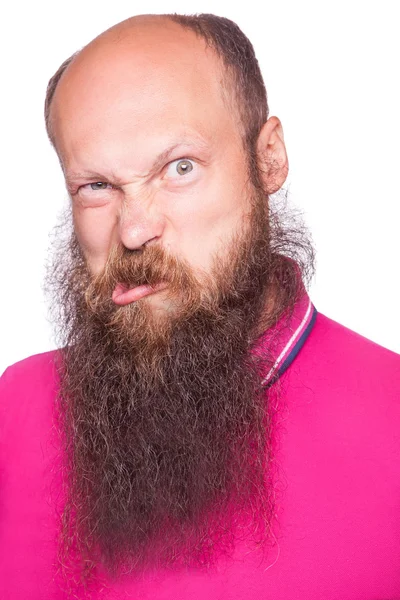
<point x="287" y="338"/>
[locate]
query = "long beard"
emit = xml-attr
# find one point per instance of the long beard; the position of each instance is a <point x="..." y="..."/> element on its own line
<point x="166" y="427"/>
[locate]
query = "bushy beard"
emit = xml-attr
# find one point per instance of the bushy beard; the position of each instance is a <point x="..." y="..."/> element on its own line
<point x="166" y="426"/>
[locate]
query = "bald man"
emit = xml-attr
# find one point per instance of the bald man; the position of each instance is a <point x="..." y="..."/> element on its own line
<point x="202" y="433"/>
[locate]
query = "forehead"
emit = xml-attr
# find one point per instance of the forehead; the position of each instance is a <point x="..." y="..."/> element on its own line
<point x="148" y="81"/>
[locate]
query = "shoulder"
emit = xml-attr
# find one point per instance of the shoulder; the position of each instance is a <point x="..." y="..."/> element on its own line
<point x="31" y="369"/>
<point x="331" y="331"/>
<point x="27" y="389"/>
<point x="340" y="354"/>
<point x="348" y="385"/>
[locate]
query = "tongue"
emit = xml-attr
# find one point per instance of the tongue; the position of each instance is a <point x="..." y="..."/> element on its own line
<point x="123" y="295"/>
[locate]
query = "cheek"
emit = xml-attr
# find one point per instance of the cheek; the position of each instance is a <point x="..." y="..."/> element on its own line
<point x="207" y="219"/>
<point x="94" y="228"/>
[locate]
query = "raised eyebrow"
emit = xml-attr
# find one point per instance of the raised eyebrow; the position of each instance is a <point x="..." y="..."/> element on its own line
<point x="164" y="156"/>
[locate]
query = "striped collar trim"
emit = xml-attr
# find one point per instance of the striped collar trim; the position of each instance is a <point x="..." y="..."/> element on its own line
<point x="287" y="338"/>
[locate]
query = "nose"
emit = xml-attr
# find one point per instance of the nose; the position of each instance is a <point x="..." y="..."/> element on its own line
<point x="140" y="222"/>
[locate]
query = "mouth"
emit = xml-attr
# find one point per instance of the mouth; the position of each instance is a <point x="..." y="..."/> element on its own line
<point x="122" y="295"/>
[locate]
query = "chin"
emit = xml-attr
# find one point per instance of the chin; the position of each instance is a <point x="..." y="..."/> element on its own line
<point x="160" y="304"/>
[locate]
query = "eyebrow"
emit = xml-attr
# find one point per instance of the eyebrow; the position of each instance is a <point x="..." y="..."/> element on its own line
<point x="166" y="154"/>
<point x="162" y="158"/>
<point x="158" y="162"/>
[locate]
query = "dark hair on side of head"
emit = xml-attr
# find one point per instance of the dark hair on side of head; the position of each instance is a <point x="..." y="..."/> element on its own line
<point x="238" y="57"/>
<point x="50" y="91"/>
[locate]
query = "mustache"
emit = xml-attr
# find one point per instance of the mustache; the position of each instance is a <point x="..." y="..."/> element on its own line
<point x="131" y="268"/>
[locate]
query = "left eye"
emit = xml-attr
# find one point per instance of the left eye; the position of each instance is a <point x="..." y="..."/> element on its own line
<point x="180" y="167"/>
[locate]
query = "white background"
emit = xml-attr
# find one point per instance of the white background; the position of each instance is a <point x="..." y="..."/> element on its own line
<point x="332" y="75"/>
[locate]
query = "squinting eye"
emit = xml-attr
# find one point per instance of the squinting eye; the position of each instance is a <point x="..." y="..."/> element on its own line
<point x="99" y="185"/>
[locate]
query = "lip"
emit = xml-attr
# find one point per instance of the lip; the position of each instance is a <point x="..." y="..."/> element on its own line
<point x="123" y="295"/>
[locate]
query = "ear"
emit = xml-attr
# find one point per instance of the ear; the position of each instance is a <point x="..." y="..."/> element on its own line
<point x="271" y="155"/>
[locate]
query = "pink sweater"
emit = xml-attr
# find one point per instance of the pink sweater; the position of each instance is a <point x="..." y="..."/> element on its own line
<point x="338" y="534"/>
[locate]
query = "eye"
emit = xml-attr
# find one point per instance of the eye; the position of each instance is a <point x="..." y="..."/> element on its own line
<point x="180" y="167"/>
<point x="95" y="193"/>
<point x="88" y="189"/>
<point x="98" y="185"/>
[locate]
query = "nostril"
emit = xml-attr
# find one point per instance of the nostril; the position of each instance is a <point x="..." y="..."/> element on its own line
<point x="133" y="251"/>
<point x="151" y="241"/>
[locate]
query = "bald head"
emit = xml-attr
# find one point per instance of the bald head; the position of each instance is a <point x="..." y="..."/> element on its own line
<point x="143" y="71"/>
<point x="179" y="42"/>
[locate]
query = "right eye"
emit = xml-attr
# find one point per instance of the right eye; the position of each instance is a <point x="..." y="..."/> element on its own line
<point x="96" y="186"/>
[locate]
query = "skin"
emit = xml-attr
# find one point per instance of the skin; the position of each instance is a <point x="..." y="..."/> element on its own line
<point x="141" y="97"/>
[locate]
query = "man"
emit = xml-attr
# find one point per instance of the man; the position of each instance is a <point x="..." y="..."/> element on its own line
<point x="203" y="433"/>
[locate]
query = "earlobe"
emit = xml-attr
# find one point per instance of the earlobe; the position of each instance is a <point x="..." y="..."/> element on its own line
<point x="271" y="155"/>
